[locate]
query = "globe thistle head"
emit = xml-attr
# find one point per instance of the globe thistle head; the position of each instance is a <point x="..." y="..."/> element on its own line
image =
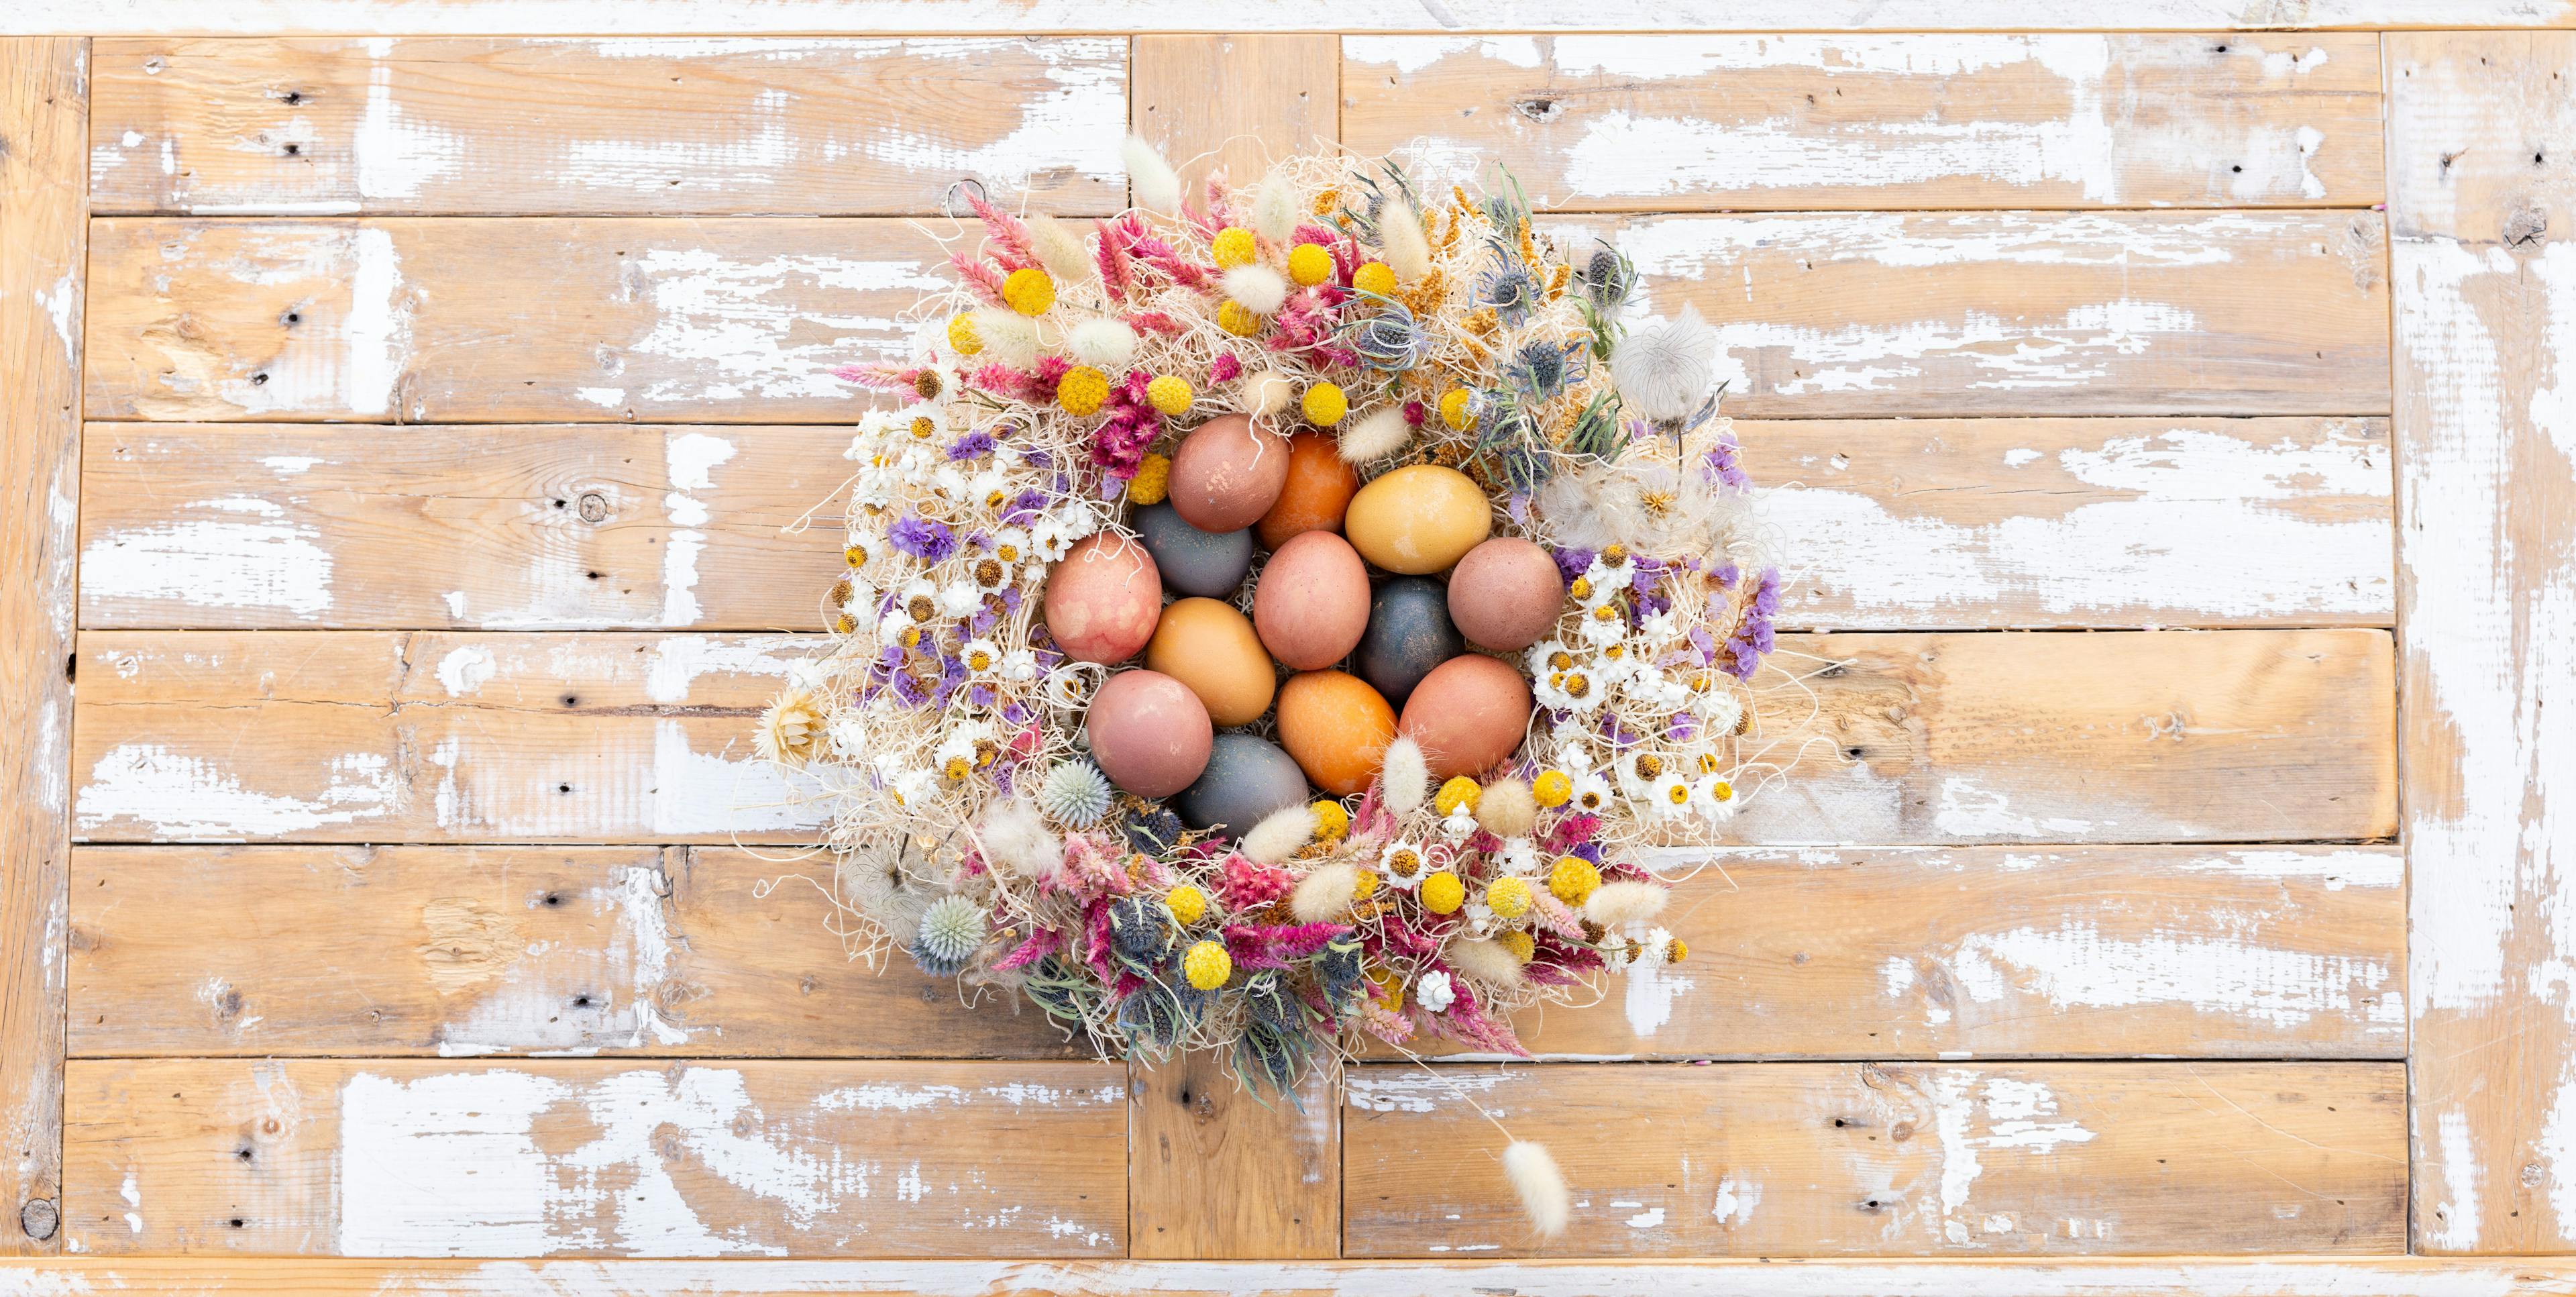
<point x="1390" y="339"/>
<point x="1510" y="290"/>
<point x="952" y="930"/>
<point x="1153" y="831"/>
<point x="1607" y="279"/>
<point x="1075" y="794"/>
<point x="1541" y="370"/>
<point x="1137" y="928"/>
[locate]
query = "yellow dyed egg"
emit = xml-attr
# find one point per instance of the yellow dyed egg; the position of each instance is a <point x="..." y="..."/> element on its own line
<point x="1210" y="647"/>
<point x="1419" y="519"/>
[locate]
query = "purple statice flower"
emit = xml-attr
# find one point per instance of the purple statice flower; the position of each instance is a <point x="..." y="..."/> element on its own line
<point x="1766" y="595"/>
<point x="1025" y="507"/>
<point x="907" y="689"/>
<point x="1755" y="637"/>
<point x="1571" y="563"/>
<point x="1016" y="714"/>
<point x="1727" y="575"/>
<point x="982" y="622"/>
<point x="1682" y="730"/>
<point x="1706" y="644"/>
<point x="923" y="539"/>
<point x="979" y="695"/>
<point x="1720" y="467"/>
<point x="974" y="445"/>
<point x="1036" y="458"/>
<point x="1011" y="599"/>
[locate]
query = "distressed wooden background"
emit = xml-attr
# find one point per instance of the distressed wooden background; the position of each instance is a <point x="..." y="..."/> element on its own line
<point x="399" y="436"/>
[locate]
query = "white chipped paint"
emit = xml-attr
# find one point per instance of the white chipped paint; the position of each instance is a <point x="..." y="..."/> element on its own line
<point x="1650" y="1218"/>
<point x="1078" y="121"/>
<point x="1735" y="1202"/>
<point x="465" y="669"/>
<point x="176" y="796"/>
<point x="378" y="335"/>
<point x="2076" y="965"/>
<point x="273" y="562"/>
<point x="62" y="309"/>
<point x="2456" y="1226"/>
<point x="676" y="662"/>
<point x="717" y="793"/>
<point x="731" y="329"/>
<point x="291" y="465"/>
<point x="1968" y="811"/>
<point x="132" y="1193"/>
<point x="348" y="365"/>
<point x="690" y="459"/>
<point x="397" y="156"/>
<point x="2335" y="868"/>
<point x="607" y="398"/>
<point x="1976" y="1114"/>
<point x="1652" y="989"/>
<point x="1420" y="1092"/>
<point x="646" y="928"/>
<point x="753" y="158"/>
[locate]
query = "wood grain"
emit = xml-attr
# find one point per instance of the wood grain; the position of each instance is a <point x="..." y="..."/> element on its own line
<point x="741" y="321"/>
<point x="1676" y="122"/>
<point x="1218" y="1172"/>
<point x="1235" y="104"/>
<point x="617" y="125"/>
<point x="43" y="96"/>
<point x="1826" y="1159"/>
<point x="571" y="1158"/>
<point x="2481" y="133"/>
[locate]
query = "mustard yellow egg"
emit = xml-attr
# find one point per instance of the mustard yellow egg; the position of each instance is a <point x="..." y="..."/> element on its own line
<point x="1336" y="727"/>
<point x="1419" y="519"/>
<point x="1210" y="647"/>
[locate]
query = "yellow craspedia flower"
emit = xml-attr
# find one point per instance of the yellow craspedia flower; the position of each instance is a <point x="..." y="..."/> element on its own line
<point x="1508" y="897"/>
<point x="1459" y="792"/>
<point x="1170" y="394"/>
<point x="1679" y="952"/>
<point x="1233" y="246"/>
<point x="1573" y="879"/>
<point x="1028" y="291"/>
<point x="1152" y="482"/>
<point x="1523" y="946"/>
<point x="1331" y="821"/>
<point x="1364" y="885"/>
<point x="1453" y="408"/>
<point x="1442" y="893"/>
<point x="1309" y="264"/>
<point x="1187" y="904"/>
<point x="962" y="337"/>
<point x="1235" y="318"/>
<point x="1207" y="965"/>
<point x="1374" y="277"/>
<point x="1552" y="788"/>
<point x="1082" y="390"/>
<point x="1325" y="405"/>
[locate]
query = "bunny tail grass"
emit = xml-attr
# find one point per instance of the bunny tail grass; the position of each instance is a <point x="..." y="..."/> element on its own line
<point x="1541" y="1186"/>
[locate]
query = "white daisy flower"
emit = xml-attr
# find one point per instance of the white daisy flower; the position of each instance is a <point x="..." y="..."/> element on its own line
<point x="1659" y="628"/>
<point x="848" y="734"/>
<point x="924" y="422"/>
<point x="1403" y="865"/>
<point x="982" y="659"/>
<point x="1607" y="624"/>
<point x="990" y="574"/>
<point x="990" y="489"/>
<point x="1011" y="545"/>
<point x="952" y="484"/>
<point x="1020" y="664"/>
<point x="1669" y="797"/>
<point x="1546" y="656"/>
<point x="1592" y="794"/>
<point x="1603" y="584"/>
<point x="1434" y="992"/>
<point x="1050" y="538"/>
<point x="1715" y="798"/>
<point x="1720" y="710"/>
<point x="960" y="599"/>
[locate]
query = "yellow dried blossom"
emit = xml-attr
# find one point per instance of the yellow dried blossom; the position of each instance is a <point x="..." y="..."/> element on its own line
<point x="1552" y="788"/>
<point x="1442" y="893"/>
<point x="1153" y="480"/>
<point x="1679" y="952"/>
<point x="1170" y="394"/>
<point x="1326" y="201"/>
<point x="1364" y="885"/>
<point x="855" y="555"/>
<point x="962" y="337"/>
<point x="1508" y="897"/>
<point x="1233" y="317"/>
<point x="1309" y="264"/>
<point x="1331" y="821"/>
<point x="1187" y="904"/>
<point x="1233" y="246"/>
<point x="1573" y="879"/>
<point x="1374" y="277"/>
<point x="1454" y="408"/>
<point x="1459" y="792"/>
<point x="1523" y="946"/>
<point x="1325" y="405"/>
<point x="1207" y="965"/>
<point x="1082" y="390"/>
<point x="1028" y="291"/>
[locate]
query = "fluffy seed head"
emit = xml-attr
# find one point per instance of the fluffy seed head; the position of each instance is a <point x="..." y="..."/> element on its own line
<point x="1374" y="436"/>
<point x="1275" y="206"/>
<point x="1323" y="895"/>
<point x="1015" y="837"/>
<point x="1059" y="248"/>
<point x="1507" y="808"/>
<point x="1540" y="1185"/>
<point x="1006" y="337"/>
<point x="1664" y="369"/>
<point x="1267" y="392"/>
<point x="1404" y="776"/>
<point x="1157" y="186"/>
<point x="1485" y="961"/>
<point x="1109" y="344"/>
<point x="1614" y="903"/>
<point x="1257" y="289"/>
<point x="1399" y="232"/>
<point x="1279" y="834"/>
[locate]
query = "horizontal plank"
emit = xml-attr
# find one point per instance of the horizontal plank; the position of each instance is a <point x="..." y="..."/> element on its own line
<point x="741" y="321"/>
<point x="2231" y="736"/>
<point x="1678" y="122"/>
<point x="1892" y="954"/>
<point x="460" y="951"/>
<point x="621" y="125"/>
<point x="571" y="1158"/>
<point x="1825" y="1159"/>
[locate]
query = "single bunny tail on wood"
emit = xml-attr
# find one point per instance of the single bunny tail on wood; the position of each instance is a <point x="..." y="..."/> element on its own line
<point x="1534" y="1177"/>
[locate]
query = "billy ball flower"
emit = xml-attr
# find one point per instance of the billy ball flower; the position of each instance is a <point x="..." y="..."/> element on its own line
<point x="1170" y="394"/>
<point x="1082" y="390"/>
<point x="1235" y="318"/>
<point x="1552" y="788"/>
<point x="1523" y="946"/>
<point x="1457" y="408"/>
<point x="1309" y="264"/>
<point x="1233" y="246"/>
<point x="1457" y="794"/>
<point x="962" y="337"/>
<point x="1374" y="277"/>
<point x="1028" y="291"/>
<point x="1206" y="965"/>
<point x="1442" y="893"/>
<point x="1187" y="904"/>
<point x="1324" y="405"/>
<point x="1573" y="880"/>
<point x="1331" y="821"/>
<point x="1508" y="897"/>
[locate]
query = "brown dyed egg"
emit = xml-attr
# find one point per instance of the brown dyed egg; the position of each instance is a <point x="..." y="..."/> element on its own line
<point x="1506" y="594"/>
<point x="1418" y="519"/>
<point x="1336" y="727"/>
<point x="1149" y="733"/>
<point x="1318" y="490"/>
<point x="1103" y="599"/>
<point x="1311" y="601"/>
<point x="1228" y="473"/>
<point x="1210" y="647"/>
<point x="1467" y="714"/>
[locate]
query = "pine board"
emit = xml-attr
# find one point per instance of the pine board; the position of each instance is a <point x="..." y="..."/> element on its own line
<point x="1235" y="104"/>
<point x="1217" y="1172"/>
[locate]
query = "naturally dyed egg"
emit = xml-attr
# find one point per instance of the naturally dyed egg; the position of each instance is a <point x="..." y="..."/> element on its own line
<point x="1317" y="493"/>
<point x="1210" y="647"/>
<point x="1408" y="634"/>
<point x="1149" y="733"/>
<point x="1210" y="563"/>
<point x="1468" y="714"/>
<point x="1418" y="519"/>
<point x="1336" y="727"/>
<point x="1506" y="594"/>
<point x="1228" y="473"/>
<point x="1246" y="779"/>
<point x="1103" y="599"/>
<point x="1312" y="602"/>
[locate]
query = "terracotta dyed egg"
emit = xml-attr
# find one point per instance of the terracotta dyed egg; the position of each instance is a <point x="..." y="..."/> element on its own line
<point x="1408" y="634"/>
<point x="1312" y="601"/>
<point x="1336" y="727"/>
<point x="1210" y="563"/>
<point x="1246" y="779"/>
<point x="1210" y="647"/>
<point x="1228" y="473"/>
<point x="1418" y="519"/>
<point x="1317" y="493"/>
<point x="1103" y="599"/>
<point x="1468" y="714"/>
<point x="1149" y="733"/>
<point x="1506" y="594"/>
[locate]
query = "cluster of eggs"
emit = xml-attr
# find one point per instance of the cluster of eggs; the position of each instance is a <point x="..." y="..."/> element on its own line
<point x="1351" y="603"/>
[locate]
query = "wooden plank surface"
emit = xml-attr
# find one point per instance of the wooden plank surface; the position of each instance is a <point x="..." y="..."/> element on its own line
<point x="2482" y="131"/>
<point x="1236" y="103"/>
<point x="1825" y="1159"/>
<point x="1676" y="122"/>
<point x="43" y="96"/>
<point x="740" y="321"/>
<point x="1218" y="1172"/>
<point x="2231" y="736"/>
<point x="612" y="125"/>
<point x="571" y="1158"/>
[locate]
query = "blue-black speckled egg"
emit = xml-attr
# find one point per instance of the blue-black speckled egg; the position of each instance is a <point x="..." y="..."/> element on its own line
<point x="1247" y="777"/>
<point x="1408" y="634"/>
<point x="1207" y="563"/>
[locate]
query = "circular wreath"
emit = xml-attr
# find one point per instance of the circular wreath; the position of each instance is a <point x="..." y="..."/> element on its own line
<point x="1383" y="343"/>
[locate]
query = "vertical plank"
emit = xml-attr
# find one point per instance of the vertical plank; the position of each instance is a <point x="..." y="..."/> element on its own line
<point x="43" y="139"/>
<point x="1235" y="102"/>
<point x="1216" y="1172"/>
<point x="2482" y="143"/>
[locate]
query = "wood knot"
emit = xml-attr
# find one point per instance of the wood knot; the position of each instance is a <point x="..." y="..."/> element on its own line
<point x="2526" y="226"/>
<point x="38" y="1217"/>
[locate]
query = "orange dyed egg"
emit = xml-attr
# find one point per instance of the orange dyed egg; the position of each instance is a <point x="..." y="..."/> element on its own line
<point x="1336" y="727"/>
<point x="1468" y="714"/>
<point x="1228" y="473"/>
<point x="1102" y="601"/>
<point x="1210" y="647"/>
<point x="1311" y="604"/>
<point x="1317" y="493"/>
<point x="1419" y="519"/>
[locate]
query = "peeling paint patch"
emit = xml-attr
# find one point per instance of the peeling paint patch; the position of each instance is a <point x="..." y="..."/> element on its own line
<point x="177" y="797"/>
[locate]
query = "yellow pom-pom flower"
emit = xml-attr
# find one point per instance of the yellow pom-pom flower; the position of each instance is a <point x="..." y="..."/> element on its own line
<point x="1082" y="390"/>
<point x="1552" y="788"/>
<point x="1454" y="408"/>
<point x="1679" y="952"/>
<point x="1459" y="793"/>
<point x="1235" y="318"/>
<point x="1442" y="893"/>
<point x="1508" y="897"/>
<point x="962" y="337"/>
<point x="1152" y="482"/>
<point x="1573" y="879"/>
<point x="1374" y="277"/>
<point x="1207" y="965"/>
<point x="1187" y="904"/>
<point x="1364" y="885"/>
<point x="1028" y="291"/>
<point x="1325" y="405"/>
<point x="1170" y="394"/>
<point x="1331" y="821"/>
<point x="1233" y="246"/>
<point x="1523" y="946"/>
<point x="1309" y="264"/>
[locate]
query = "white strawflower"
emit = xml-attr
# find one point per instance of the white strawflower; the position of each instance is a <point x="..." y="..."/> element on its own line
<point x="1434" y="992"/>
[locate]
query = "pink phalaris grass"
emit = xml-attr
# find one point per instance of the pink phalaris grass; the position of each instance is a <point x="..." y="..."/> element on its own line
<point x="1464" y="1020"/>
<point x="984" y="281"/>
<point x="1011" y="244"/>
<point x="1244" y="885"/>
<point x="1117" y="271"/>
<point x="1013" y="384"/>
<point x="1157" y="322"/>
<point x="1384" y="1023"/>
<point x="1042" y="943"/>
<point x="882" y="378"/>
<point x="1554" y="915"/>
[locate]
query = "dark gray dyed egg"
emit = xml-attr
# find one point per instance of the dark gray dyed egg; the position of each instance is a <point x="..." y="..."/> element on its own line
<point x="1246" y="778"/>
<point x="1408" y="634"/>
<point x="1207" y="563"/>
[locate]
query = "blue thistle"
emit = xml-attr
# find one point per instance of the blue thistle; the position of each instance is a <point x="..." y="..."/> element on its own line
<point x="1391" y="339"/>
<point x="1510" y="289"/>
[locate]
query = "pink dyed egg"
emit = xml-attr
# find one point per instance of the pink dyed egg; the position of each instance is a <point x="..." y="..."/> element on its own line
<point x="1149" y="733"/>
<point x="1468" y="714"/>
<point x="1228" y="473"/>
<point x="1506" y="594"/>
<point x="1103" y="599"/>
<point x="1311" y="605"/>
